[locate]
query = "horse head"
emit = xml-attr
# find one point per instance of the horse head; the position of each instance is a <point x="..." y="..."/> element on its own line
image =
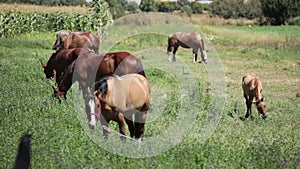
<point x="94" y="105"/>
<point x="62" y="37"/>
<point x="261" y="107"/>
<point x="49" y="72"/>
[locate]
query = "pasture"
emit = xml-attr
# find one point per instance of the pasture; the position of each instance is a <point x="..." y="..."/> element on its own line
<point x="60" y="140"/>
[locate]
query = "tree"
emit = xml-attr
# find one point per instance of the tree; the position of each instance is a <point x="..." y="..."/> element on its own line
<point x="148" y="5"/>
<point x="132" y="7"/>
<point x="117" y="7"/>
<point x="278" y="12"/>
<point x="196" y="7"/>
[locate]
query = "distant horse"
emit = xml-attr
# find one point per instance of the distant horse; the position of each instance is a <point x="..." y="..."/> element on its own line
<point x="252" y="88"/>
<point x="87" y="70"/>
<point x="66" y="39"/>
<point x="60" y="60"/>
<point x="186" y="40"/>
<point x="119" y="98"/>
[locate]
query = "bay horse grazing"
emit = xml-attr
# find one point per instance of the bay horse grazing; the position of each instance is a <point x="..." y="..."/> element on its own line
<point x="118" y="98"/>
<point x="87" y="70"/>
<point x="252" y="88"/>
<point x="60" y="60"/>
<point x="67" y="39"/>
<point x="186" y="40"/>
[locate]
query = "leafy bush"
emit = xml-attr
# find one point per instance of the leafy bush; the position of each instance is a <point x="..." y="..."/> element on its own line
<point x="148" y="5"/>
<point x="187" y="9"/>
<point x="277" y="12"/>
<point x="196" y="7"/>
<point x="13" y="23"/>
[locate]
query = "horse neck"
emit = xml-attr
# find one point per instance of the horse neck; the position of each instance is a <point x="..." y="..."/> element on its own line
<point x="66" y="82"/>
<point x="258" y="88"/>
<point x="201" y="44"/>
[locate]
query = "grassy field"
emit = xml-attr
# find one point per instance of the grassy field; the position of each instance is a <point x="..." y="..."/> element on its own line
<point x="60" y="140"/>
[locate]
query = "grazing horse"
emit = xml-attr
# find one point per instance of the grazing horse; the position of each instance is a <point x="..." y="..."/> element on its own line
<point x="67" y="39"/>
<point x="252" y="89"/>
<point x="23" y="155"/>
<point x="87" y="70"/>
<point x="118" y="98"/>
<point x="186" y="40"/>
<point x="60" y="60"/>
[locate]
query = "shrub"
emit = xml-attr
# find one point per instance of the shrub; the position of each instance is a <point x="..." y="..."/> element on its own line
<point x="196" y="8"/>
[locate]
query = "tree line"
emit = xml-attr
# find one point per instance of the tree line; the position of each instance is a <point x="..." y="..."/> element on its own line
<point x="274" y="12"/>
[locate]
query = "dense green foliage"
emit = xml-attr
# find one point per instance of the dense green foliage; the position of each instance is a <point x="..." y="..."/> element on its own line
<point x="148" y="5"/>
<point x="278" y="12"/>
<point x="16" y="23"/>
<point x="275" y="12"/>
<point x="47" y="2"/>
<point x="236" y="8"/>
<point x="59" y="140"/>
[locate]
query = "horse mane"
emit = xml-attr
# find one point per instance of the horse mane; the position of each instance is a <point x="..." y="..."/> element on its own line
<point x="102" y="86"/>
<point x="52" y="58"/>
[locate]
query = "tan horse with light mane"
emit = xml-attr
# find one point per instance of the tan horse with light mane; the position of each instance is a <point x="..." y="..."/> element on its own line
<point x="118" y="98"/>
<point x="252" y="89"/>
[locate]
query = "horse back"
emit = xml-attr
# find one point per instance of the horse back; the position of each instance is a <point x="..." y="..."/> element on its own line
<point x="251" y="84"/>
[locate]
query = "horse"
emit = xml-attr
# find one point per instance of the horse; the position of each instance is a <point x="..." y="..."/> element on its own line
<point x="67" y="39"/>
<point x="118" y="98"/>
<point x="60" y="60"/>
<point x="186" y="40"/>
<point x="86" y="70"/>
<point x="252" y="88"/>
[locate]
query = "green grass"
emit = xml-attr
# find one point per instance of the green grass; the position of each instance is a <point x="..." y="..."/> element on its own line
<point x="60" y="141"/>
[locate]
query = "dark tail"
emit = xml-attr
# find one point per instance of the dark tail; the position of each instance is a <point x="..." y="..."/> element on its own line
<point x="140" y="68"/>
<point x="23" y="156"/>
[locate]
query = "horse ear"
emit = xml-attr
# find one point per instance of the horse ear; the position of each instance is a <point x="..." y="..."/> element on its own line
<point x="43" y="64"/>
<point x="55" y="88"/>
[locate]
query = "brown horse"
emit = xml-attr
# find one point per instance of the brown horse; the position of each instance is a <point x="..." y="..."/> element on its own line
<point x="186" y="40"/>
<point x="60" y="60"/>
<point x="252" y="88"/>
<point x="67" y="39"/>
<point x="87" y="70"/>
<point x="119" y="98"/>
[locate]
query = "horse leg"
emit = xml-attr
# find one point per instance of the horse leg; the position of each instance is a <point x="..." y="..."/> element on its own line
<point x="140" y="119"/>
<point x="174" y="53"/>
<point x="195" y="53"/>
<point x="104" y="122"/>
<point x="129" y="122"/>
<point x="247" y="104"/>
<point x="121" y="126"/>
<point x="249" y="107"/>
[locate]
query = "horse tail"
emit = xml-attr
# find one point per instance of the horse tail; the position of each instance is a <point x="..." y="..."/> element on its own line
<point x="169" y="48"/>
<point x="140" y="68"/>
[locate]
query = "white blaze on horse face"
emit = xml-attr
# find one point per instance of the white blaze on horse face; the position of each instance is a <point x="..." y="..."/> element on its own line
<point x="93" y="121"/>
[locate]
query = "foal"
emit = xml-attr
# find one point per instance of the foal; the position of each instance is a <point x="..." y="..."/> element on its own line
<point x="252" y="89"/>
